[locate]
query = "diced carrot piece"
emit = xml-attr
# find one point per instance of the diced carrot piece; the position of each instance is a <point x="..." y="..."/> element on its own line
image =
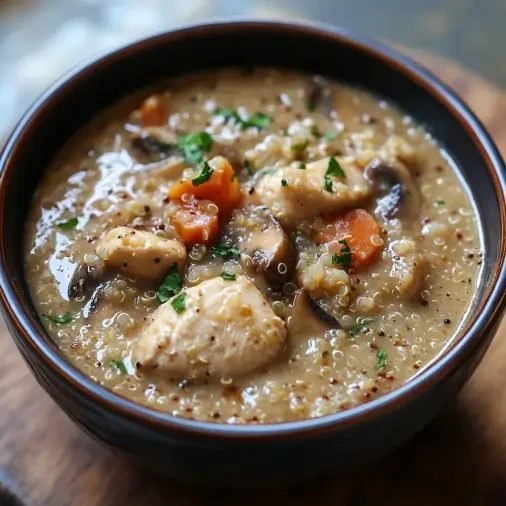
<point x="222" y="187"/>
<point x="360" y="231"/>
<point x="152" y="111"/>
<point x="194" y="224"/>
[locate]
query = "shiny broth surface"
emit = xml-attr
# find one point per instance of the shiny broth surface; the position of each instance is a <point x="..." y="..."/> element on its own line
<point x="252" y="246"/>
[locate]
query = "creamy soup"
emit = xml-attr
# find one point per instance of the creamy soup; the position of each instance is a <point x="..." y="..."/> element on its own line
<point x="252" y="246"/>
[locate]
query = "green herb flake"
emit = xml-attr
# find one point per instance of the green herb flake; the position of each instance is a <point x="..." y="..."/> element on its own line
<point x="315" y="131"/>
<point x="302" y="166"/>
<point x="69" y="224"/>
<point x="343" y="258"/>
<point x="440" y="202"/>
<point x="333" y="169"/>
<point x="284" y="183"/>
<point x="300" y="147"/>
<point x="269" y="171"/>
<point x="59" y="319"/>
<point x="382" y="359"/>
<point x="258" y="120"/>
<point x="359" y="327"/>
<point x="171" y="285"/>
<point x="247" y="166"/>
<point x="194" y="145"/>
<point x="330" y="136"/>
<point x="179" y="303"/>
<point x="227" y="276"/>
<point x="225" y="251"/>
<point x="120" y="366"/>
<point x="310" y="106"/>
<point x="205" y="174"/>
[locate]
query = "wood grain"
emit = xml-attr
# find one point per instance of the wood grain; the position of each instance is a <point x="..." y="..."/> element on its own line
<point x="459" y="459"/>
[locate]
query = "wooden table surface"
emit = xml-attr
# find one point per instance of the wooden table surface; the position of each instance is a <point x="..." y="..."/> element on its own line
<point x="460" y="459"/>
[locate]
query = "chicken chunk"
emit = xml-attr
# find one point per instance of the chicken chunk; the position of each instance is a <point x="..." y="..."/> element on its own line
<point x="408" y="269"/>
<point x="140" y="254"/>
<point x="295" y="194"/>
<point x="226" y="330"/>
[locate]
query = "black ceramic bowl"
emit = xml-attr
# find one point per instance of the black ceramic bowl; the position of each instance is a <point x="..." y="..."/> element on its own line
<point x="250" y="455"/>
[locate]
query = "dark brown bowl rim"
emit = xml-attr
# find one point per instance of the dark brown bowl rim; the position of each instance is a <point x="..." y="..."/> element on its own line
<point x="484" y="315"/>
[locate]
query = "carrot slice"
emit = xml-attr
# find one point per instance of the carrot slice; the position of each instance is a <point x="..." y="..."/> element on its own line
<point x="194" y="224"/>
<point x="152" y="111"/>
<point x="360" y="231"/>
<point x="222" y="187"/>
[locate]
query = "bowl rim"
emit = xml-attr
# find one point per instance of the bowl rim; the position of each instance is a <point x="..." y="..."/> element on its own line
<point x="29" y="327"/>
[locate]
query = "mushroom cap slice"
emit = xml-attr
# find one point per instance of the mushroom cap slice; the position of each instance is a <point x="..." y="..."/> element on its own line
<point x="271" y="251"/>
<point x="400" y="196"/>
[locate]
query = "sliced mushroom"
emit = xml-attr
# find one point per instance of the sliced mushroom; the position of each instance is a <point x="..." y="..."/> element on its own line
<point x="319" y="95"/>
<point x="270" y="249"/>
<point x="155" y="141"/>
<point x="400" y="196"/>
<point x="83" y="280"/>
<point x="309" y="317"/>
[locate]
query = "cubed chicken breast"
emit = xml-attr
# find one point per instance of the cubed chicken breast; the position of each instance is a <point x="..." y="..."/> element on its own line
<point x="140" y="254"/>
<point x="292" y="193"/>
<point x="225" y="330"/>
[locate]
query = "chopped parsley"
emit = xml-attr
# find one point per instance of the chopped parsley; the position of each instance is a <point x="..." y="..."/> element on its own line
<point x="59" y="319"/>
<point x="343" y="258"/>
<point x="69" y="224"/>
<point x="120" y="366"/>
<point x="194" y="145"/>
<point x="284" y="183"/>
<point x="227" y="276"/>
<point x="247" y="166"/>
<point x="359" y="327"/>
<point x="302" y="166"/>
<point x="171" y="285"/>
<point x="204" y="176"/>
<point x="330" y="136"/>
<point x="225" y="250"/>
<point x="333" y="169"/>
<point x="258" y="120"/>
<point x="382" y="359"/>
<point x="315" y="131"/>
<point x="179" y="303"/>
<point x="298" y="148"/>
<point x="440" y="202"/>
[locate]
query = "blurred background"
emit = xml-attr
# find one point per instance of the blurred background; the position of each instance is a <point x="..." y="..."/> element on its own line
<point x="41" y="39"/>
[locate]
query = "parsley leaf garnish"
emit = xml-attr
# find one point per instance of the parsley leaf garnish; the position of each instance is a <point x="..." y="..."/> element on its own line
<point x="354" y="331"/>
<point x="204" y="176"/>
<point x="227" y="276"/>
<point x="225" y="250"/>
<point x="298" y="148"/>
<point x="247" y="166"/>
<point x="382" y="359"/>
<point x="194" y="145"/>
<point x="171" y="285"/>
<point x="284" y="183"/>
<point x="179" y="303"/>
<point x="302" y="166"/>
<point x="315" y="130"/>
<point x="59" y="319"/>
<point x="333" y="169"/>
<point x="440" y="202"/>
<point x="69" y="224"/>
<point x="120" y="366"/>
<point x="343" y="258"/>
<point x="258" y="120"/>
